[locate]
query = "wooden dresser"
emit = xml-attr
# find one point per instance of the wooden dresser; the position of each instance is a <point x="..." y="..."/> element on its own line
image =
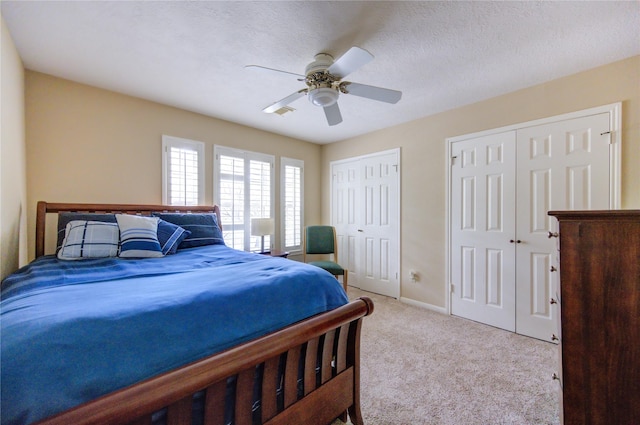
<point x="599" y="301"/>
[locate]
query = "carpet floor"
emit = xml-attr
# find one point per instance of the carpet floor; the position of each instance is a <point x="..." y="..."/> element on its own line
<point x="423" y="367"/>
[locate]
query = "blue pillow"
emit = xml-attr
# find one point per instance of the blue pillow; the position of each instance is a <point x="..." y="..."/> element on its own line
<point x="66" y="217"/>
<point x="170" y="236"/>
<point x="203" y="227"/>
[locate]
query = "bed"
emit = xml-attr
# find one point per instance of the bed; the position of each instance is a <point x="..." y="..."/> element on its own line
<point x="206" y="335"/>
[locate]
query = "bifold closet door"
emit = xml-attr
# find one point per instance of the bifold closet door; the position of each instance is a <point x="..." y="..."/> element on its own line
<point x="365" y="195"/>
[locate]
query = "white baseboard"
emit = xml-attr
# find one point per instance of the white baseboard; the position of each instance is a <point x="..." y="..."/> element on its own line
<point x="424" y="305"/>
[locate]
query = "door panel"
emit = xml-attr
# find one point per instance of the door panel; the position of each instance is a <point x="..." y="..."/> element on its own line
<point x="346" y="180"/>
<point x="561" y="166"/>
<point x="482" y="226"/>
<point x="380" y="225"/>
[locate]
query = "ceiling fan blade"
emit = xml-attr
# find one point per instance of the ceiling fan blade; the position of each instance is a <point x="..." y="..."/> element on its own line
<point x="264" y="68"/>
<point x="284" y="102"/>
<point x="372" y="92"/>
<point x="353" y="59"/>
<point x="333" y="114"/>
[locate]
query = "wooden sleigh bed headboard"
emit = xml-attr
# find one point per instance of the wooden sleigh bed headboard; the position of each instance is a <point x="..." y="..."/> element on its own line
<point x="45" y="208"/>
<point x="322" y="351"/>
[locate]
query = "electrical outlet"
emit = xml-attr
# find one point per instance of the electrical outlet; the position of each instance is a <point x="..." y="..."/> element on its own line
<point x="413" y="275"/>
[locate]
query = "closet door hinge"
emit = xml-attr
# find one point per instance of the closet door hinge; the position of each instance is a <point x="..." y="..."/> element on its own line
<point x="453" y="159"/>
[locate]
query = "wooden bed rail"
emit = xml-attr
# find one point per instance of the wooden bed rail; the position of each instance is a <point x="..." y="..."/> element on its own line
<point x="43" y="208"/>
<point x="329" y="341"/>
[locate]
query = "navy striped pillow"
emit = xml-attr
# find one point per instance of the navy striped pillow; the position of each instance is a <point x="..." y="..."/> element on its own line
<point x="138" y="236"/>
<point x="170" y="236"/>
<point x="203" y="227"/>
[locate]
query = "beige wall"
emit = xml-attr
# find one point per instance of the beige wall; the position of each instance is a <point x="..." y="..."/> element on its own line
<point x="13" y="177"/>
<point x="90" y="145"/>
<point x="424" y="165"/>
<point x="85" y="144"/>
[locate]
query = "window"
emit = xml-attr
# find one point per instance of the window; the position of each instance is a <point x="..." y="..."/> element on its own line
<point x="182" y="171"/>
<point x="243" y="187"/>
<point x="292" y="203"/>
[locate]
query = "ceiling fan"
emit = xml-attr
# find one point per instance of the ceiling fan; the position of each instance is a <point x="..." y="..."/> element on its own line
<point x="323" y="78"/>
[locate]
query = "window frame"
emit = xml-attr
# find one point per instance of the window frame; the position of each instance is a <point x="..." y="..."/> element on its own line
<point x="284" y="163"/>
<point x="169" y="142"/>
<point x="246" y="156"/>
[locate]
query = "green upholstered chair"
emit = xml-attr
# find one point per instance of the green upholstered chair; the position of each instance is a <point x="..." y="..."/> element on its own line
<point x="322" y="240"/>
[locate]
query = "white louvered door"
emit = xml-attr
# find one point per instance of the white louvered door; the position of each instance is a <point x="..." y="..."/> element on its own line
<point x="503" y="262"/>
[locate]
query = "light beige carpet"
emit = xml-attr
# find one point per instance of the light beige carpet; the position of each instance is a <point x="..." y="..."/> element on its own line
<point x="423" y="367"/>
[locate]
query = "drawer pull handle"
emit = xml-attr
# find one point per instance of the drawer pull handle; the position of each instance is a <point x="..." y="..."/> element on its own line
<point x="553" y="235"/>
<point x="555" y="377"/>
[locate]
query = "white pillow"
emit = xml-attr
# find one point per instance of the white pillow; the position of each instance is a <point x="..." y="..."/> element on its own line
<point x="138" y="236"/>
<point x="89" y="239"/>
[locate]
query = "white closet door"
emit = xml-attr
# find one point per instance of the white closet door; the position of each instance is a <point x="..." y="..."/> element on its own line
<point x="483" y="229"/>
<point x="379" y="225"/>
<point x="560" y="166"/>
<point x="365" y="197"/>
<point x="344" y="203"/>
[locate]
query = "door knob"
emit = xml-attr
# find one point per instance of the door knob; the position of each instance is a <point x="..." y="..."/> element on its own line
<point x="553" y="235"/>
<point x="360" y="230"/>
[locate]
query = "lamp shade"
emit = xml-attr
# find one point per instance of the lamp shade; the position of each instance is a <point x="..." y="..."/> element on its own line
<point x="262" y="226"/>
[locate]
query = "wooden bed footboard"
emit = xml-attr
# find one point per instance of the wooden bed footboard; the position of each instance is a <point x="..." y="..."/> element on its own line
<point x="315" y="363"/>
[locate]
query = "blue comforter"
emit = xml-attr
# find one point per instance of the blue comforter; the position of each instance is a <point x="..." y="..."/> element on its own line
<point x="75" y="330"/>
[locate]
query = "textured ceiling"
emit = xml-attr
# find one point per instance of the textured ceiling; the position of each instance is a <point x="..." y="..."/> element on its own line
<point x="441" y="55"/>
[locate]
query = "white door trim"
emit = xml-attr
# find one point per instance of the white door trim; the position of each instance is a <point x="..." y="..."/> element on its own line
<point x="397" y="152"/>
<point x="615" y="169"/>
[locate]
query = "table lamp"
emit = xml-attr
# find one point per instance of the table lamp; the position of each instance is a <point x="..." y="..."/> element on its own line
<point x="262" y="227"/>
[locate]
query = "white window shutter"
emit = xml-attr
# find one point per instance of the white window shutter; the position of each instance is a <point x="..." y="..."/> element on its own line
<point x="243" y="182"/>
<point x="183" y="171"/>
<point x="292" y="172"/>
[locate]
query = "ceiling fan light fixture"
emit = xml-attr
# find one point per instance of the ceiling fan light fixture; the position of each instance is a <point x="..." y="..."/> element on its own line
<point x="323" y="96"/>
